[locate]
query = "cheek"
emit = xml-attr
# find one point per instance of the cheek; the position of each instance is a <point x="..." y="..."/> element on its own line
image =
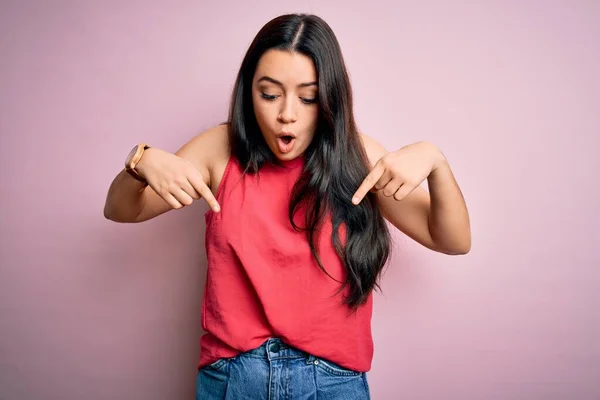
<point x="262" y="113"/>
<point x="310" y="118"/>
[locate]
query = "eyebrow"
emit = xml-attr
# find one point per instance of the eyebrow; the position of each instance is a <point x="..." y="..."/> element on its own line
<point x="275" y="81"/>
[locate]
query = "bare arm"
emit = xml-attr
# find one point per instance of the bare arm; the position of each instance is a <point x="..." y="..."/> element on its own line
<point x="175" y="180"/>
<point x="449" y="223"/>
<point x="439" y="219"/>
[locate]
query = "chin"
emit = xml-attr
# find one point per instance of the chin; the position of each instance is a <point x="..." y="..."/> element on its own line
<point x="285" y="157"/>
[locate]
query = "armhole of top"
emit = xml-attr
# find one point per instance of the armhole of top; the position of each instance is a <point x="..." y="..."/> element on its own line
<point x="224" y="177"/>
<point x="221" y="185"/>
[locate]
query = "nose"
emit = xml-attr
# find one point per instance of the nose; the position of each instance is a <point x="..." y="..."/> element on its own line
<point x="288" y="113"/>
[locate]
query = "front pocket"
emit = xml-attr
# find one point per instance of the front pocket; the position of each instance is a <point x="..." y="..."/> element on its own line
<point x="219" y="364"/>
<point x="212" y="380"/>
<point x="335" y="369"/>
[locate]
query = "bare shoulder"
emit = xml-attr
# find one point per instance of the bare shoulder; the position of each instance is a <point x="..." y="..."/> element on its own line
<point x="209" y="152"/>
<point x="373" y="149"/>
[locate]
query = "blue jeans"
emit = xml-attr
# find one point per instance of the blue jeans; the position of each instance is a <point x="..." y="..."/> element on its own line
<point x="277" y="371"/>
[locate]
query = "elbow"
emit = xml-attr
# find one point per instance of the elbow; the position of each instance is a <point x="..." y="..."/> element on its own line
<point x="116" y="215"/>
<point x="456" y="247"/>
<point x="108" y="214"/>
<point x="460" y="250"/>
<point x="454" y="240"/>
<point x="111" y="214"/>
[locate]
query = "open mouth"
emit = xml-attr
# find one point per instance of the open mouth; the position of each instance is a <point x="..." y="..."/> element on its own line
<point x="285" y="143"/>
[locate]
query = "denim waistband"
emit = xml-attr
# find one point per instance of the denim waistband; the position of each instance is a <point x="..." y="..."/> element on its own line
<point x="275" y="348"/>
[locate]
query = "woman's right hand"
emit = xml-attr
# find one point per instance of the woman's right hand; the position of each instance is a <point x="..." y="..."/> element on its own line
<point x="175" y="179"/>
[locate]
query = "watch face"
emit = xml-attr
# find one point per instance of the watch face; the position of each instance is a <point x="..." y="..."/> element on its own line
<point x="130" y="156"/>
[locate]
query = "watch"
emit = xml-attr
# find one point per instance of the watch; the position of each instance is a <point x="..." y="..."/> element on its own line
<point x="134" y="157"/>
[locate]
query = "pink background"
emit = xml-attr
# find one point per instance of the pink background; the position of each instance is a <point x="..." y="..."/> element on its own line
<point x="510" y="91"/>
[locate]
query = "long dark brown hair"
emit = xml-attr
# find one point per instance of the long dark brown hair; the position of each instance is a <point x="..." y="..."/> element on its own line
<point x="336" y="162"/>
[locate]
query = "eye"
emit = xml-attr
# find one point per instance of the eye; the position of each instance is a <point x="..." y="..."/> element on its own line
<point x="268" y="96"/>
<point x="308" y="101"/>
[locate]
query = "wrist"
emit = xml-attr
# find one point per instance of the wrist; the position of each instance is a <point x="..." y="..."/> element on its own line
<point x="436" y="156"/>
<point x="133" y="159"/>
<point x="141" y="165"/>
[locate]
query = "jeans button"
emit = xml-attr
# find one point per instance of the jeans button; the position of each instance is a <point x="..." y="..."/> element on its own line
<point x="274" y="348"/>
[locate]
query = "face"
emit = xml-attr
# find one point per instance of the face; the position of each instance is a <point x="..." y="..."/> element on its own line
<point x="284" y="95"/>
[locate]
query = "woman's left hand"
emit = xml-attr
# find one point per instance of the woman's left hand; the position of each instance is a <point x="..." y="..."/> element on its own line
<point x="400" y="172"/>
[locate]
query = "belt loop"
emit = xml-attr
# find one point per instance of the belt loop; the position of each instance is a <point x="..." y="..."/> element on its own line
<point x="310" y="359"/>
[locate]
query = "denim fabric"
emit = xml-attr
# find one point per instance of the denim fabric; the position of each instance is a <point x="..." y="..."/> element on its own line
<point x="277" y="371"/>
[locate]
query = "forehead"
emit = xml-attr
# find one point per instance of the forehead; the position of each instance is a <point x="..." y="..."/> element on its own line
<point x="289" y="67"/>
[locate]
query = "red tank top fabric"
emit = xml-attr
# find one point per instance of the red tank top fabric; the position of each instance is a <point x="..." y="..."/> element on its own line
<point x="262" y="280"/>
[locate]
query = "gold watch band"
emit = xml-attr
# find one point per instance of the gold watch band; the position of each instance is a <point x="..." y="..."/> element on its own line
<point x="134" y="157"/>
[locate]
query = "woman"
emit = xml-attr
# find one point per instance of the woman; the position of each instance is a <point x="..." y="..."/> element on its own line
<point x="296" y="236"/>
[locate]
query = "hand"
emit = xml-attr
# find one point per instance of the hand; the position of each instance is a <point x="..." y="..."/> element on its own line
<point x="175" y="179"/>
<point x="400" y="172"/>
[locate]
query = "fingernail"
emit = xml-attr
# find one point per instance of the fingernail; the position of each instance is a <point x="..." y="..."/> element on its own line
<point x="216" y="208"/>
<point x="355" y="200"/>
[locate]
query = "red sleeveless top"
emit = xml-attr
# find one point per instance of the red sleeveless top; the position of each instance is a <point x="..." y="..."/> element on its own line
<point x="263" y="281"/>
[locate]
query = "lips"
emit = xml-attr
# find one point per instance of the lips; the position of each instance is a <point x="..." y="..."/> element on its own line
<point x="285" y="141"/>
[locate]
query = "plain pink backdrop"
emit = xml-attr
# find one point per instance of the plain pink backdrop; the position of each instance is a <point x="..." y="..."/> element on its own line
<point x="510" y="91"/>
